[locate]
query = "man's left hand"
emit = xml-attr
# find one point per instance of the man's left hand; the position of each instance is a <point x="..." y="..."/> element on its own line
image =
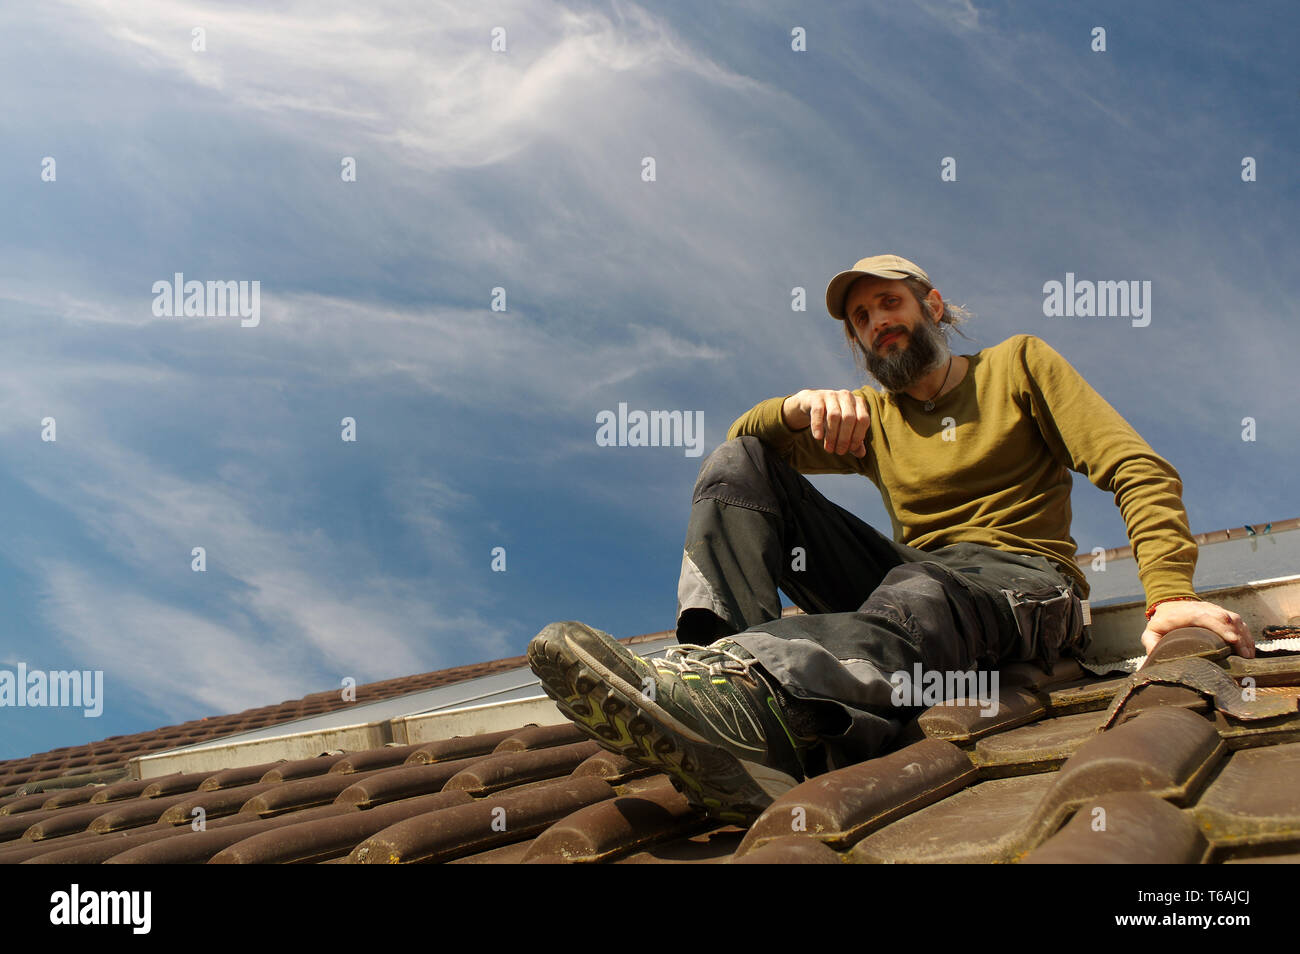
<point x="1176" y="614"/>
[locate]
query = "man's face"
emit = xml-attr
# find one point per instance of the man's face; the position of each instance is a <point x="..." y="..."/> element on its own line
<point x="901" y="344"/>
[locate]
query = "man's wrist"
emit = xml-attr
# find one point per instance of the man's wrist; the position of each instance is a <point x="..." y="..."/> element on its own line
<point x="1168" y="599"/>
<point x="790" y="419"/>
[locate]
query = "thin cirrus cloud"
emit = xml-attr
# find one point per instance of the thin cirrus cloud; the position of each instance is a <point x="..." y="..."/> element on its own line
<point x="523" y="171"/>
<point x="423" y="80"/>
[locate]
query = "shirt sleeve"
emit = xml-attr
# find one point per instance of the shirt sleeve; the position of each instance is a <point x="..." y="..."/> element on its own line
<point x="1089" y="436"/>
<point x="798" y="448"/>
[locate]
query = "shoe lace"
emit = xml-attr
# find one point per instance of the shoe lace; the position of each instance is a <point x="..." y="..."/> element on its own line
<point x="711" y="660"/>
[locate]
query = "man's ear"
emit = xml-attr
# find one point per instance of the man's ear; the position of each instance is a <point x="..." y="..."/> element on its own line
<point x="935" y="301"/>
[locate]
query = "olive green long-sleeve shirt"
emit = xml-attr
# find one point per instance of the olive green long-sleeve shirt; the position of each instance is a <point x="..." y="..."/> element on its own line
<point x="989" y="464"/>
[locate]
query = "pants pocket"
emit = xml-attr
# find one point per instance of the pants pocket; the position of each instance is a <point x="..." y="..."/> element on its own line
<point x="1047" y="623"/>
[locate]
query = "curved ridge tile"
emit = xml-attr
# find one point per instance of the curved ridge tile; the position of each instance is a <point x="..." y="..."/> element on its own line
<point x="488" y="823"/>
<point x="174" y="784"/>
<point x="462" y="746"/>
<point x="30" y="803"/>
<point x="613" y="768"/>
<point x="238" y="776"/>
<point x="616" y="826"/>
<point x="406" y="781"/>
<point x="71" y="796"/>
<point x="215" y="804"/>
<point x="511" y="768"/>
<point x="842" y="806"/>
<point x="1187" y="642"/>
<point x="541" y="737"/>
<point x="109" y="847"/>
<point x="1125" y="828"/>
<point x="296" y="769"/>
<point x="86" y="849"/>
<point x="382" y="757"/>
<point x="127" y="788"/>
<point x="1206" y="679"/>
<point x="322" y="838"/>
<point x="967" y="721"/>
<point x="303" y="793"/>
<point x="1167" y="752"/>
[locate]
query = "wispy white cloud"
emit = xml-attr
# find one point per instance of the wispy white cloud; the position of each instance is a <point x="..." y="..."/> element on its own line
<point x="959" y="14"/>
<point x="522" y="169"/>
<point x="426" y="81"/>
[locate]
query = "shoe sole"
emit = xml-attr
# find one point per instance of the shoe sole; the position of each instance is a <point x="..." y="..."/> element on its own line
<point x="620" y="718"/>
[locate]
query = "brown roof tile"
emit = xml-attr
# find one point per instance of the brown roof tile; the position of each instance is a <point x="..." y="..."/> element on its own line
<point x="302" y="793"/>
<point x="512" y="768"/>
<point x="89" y="848"/>
<point x="405" y="781"/>
<point x="790" y="850"/>
<point x="127" y="788"/>
<point x="1256" y="798"/>
<point x="617" y="826"/>
<point x="1168" y="752"/>
<point x="963" y="721"/>
<point x="716" y="845"/>
<point x="302" y="768"/>
<point x="986" y="822"/>
<point x="116" y="750"/>
<point x="235" y="777"/>
<point x="325" y="838"/>
<point x="374" y="758"/>
<point x="46" y="823"/>
<point x="842" y="806"/>
<point x="175" y="784"/>
<point x="541" y="737"/>
<point x="1191" y="641"/>
<point x="1040" y="747"/>
<point x="487" y="823"/>
<point x="460" y="747"/>
<point x="611" y="767"/>
<point x="1132" y="828"/>
<point x="214" y="804"/>
<point x="1027" y="784"/>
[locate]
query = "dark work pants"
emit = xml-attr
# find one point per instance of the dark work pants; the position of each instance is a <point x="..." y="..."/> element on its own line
<point x="875" y="607"/>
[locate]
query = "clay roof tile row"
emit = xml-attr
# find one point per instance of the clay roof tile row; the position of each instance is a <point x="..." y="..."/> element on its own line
<point x="1069" y="768"/>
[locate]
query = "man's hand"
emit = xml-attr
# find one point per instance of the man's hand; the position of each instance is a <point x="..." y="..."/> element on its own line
<point x="1176" y="614"/>
<point x="839" y="419"/>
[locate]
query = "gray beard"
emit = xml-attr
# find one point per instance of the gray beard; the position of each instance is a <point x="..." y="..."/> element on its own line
<point x="926" y="349"/>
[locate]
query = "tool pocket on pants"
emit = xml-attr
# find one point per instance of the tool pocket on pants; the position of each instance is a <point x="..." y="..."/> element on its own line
<point x="1047" y="623"/>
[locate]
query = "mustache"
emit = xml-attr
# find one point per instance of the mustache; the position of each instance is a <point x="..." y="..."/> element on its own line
<point x="896" y="330"/>
<point x="926" y="349"/>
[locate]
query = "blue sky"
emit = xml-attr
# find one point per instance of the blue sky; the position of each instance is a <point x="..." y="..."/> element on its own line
<point x="522" y="170"/>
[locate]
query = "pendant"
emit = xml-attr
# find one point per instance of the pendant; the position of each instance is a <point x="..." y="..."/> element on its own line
<point x="929" y="405"/>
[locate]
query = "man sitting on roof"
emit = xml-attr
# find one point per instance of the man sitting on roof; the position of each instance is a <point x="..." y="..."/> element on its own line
<point x="972" y="455"/>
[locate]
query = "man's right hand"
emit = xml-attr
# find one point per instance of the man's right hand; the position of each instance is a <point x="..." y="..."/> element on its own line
<point x="839" y="419"/>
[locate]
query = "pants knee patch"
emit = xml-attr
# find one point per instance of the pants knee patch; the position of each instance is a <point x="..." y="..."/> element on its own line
<point x="736" y="473"/>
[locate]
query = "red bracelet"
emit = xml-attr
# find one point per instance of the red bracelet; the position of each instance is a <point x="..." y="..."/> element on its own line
<point x="1169" y="599"/>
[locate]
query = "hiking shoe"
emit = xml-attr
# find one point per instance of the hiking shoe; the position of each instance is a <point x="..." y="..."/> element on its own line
<point x="704" y="715"/>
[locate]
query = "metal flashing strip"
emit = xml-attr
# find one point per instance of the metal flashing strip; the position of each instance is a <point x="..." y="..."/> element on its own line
<point x="1117" y="629"/>
<point x="484" y="704"/>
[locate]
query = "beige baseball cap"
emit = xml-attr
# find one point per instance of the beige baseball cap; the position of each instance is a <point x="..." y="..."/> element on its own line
<point x="877" y="266"/>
